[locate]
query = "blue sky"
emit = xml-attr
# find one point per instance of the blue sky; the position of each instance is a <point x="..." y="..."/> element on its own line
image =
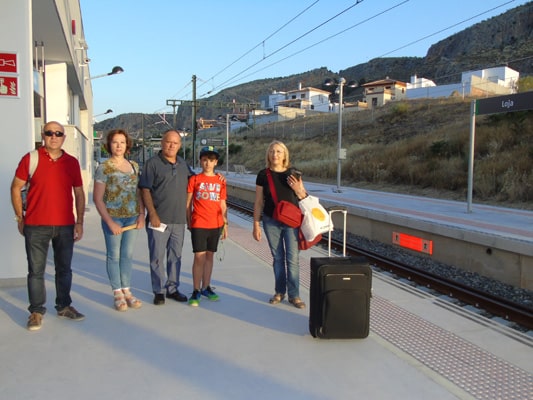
<point x="160" y="44"/>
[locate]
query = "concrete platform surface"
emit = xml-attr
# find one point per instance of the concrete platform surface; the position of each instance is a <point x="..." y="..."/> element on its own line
<point x="240" y="347"/>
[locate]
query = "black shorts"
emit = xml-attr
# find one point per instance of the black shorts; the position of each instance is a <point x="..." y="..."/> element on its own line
<point x="205" y="239"/>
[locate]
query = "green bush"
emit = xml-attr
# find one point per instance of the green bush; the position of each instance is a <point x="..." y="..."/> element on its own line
<point x="234" y="148"/>
<point x="400" y="108"/>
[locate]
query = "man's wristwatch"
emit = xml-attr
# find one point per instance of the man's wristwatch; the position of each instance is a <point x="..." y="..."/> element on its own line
<point x="19" y="218"/>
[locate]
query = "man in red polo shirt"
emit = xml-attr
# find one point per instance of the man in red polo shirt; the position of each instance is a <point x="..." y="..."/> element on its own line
<point x="49" y="218"/>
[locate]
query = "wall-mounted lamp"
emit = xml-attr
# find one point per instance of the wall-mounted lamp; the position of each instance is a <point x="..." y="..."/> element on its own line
<point x="109" y="111"/>
<point x="114" y="71"/>
<point x="83" y="48"/>
<point x="341" y="153"/>
<point x="85" y="62"/>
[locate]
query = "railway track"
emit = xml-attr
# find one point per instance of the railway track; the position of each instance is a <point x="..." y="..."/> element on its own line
<point x="518" y="314"/>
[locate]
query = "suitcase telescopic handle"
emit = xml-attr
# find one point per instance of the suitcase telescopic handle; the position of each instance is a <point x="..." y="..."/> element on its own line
<point x="332" y="210"/>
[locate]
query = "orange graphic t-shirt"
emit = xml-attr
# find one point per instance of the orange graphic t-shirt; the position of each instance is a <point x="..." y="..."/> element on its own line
<point x="207" y="192"/>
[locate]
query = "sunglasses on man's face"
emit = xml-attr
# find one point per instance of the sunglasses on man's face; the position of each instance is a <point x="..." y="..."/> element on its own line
<point x="52" y="133"/>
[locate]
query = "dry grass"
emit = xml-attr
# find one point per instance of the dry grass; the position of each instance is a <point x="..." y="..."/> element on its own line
<point x="416" y="147"/>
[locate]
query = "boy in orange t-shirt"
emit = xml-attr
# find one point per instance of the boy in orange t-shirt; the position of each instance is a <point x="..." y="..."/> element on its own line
<point x="207" y="220"/>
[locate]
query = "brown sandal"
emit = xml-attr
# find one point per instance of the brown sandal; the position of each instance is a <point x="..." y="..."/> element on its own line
<point x="297" y="302"/>
<point x="277" y="298"/>
<point x="131" y="300"/>
<point x="120" y="301"/>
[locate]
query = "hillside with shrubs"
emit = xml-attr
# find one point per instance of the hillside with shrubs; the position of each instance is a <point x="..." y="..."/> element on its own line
<point x="416" y="147"/>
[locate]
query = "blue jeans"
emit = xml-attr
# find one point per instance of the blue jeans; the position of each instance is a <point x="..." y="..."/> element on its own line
<point x="169" y="243"/>
<point x="120" y="253"/>
<point x="37" y="240"/>
<point x="283" y="242"/>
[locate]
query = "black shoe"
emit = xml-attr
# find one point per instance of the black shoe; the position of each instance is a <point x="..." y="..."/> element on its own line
<point x="71" y="313"/>
<point x="177" y="296"/>
<point x="159" y="299"/>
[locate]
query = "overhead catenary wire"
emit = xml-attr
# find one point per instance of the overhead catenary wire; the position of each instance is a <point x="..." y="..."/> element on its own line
<point x="293" y="41"/>
<point x="228" y="83"/>
<point x="323" y="40"/>
<point x="239" y="76"/>
<point x="224" y="84"/>
<point x="261" y="43"/>
<point x="445" y="29"/>
<point x="370" y="18"/>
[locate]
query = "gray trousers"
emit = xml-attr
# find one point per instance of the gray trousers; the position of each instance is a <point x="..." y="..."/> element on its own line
<point x="170" y="244"/>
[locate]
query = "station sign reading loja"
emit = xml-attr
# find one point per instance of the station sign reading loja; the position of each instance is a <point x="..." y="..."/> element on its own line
<point x="502" y="104"/>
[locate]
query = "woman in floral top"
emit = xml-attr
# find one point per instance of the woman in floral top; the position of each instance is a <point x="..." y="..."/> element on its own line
<point x="119" y="203"/>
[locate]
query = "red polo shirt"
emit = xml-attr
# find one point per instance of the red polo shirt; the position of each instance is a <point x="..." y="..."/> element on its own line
<point x="50" y="199"/>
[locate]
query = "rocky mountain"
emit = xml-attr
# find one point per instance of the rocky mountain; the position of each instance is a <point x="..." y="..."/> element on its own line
<point x="506" y="39"/>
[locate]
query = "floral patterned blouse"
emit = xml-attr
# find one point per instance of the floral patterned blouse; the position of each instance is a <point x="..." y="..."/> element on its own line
<point x="120" y="195"/>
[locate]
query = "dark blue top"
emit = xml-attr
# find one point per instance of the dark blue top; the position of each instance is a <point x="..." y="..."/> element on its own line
<point x="168" y="185"/>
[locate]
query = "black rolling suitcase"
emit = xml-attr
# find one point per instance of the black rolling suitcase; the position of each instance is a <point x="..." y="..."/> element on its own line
<point x="340" y="293"/>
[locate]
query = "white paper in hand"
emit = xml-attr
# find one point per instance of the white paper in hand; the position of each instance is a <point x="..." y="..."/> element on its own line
<point x="160" y="228"/>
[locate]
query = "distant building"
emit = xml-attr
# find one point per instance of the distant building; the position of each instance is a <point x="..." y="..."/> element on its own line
<point x="269" y="102"/>
<point x="380" y="92"/>
<point x="485" y="82"/>
<point x="305" y="98"/>
<point x="302" y="102"/>
<point x="417" y="82"/>
<point x="206" y="123"/>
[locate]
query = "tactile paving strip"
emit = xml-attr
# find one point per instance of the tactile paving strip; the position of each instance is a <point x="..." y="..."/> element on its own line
<point x="471" y="368"/>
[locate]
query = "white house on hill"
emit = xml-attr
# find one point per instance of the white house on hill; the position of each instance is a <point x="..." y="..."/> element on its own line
<point x="485" y="82"/>
<point x="379" y="92"/>
<point x="307" y="98"/>
<point x="417" y="82"/>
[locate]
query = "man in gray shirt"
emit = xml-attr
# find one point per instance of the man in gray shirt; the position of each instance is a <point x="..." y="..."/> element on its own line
<point x="164" y="191"/>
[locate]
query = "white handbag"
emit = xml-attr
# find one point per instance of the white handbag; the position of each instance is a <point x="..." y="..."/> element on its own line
<point x="316" y="219"/>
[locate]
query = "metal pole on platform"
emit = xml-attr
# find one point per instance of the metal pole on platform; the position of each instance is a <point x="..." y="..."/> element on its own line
<point x="193" y="128"/>
<point x="227" y="143"/>
<point x="144" y="138"/>
<point x="341" y="153"/>
<point x="342" y="81"/>
<point x="471" y="156"/>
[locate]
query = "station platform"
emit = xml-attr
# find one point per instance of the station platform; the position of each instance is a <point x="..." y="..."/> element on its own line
<point x="505" y="224"/>
<point x="491" y="241"/>
<point x="241" y="347"/>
